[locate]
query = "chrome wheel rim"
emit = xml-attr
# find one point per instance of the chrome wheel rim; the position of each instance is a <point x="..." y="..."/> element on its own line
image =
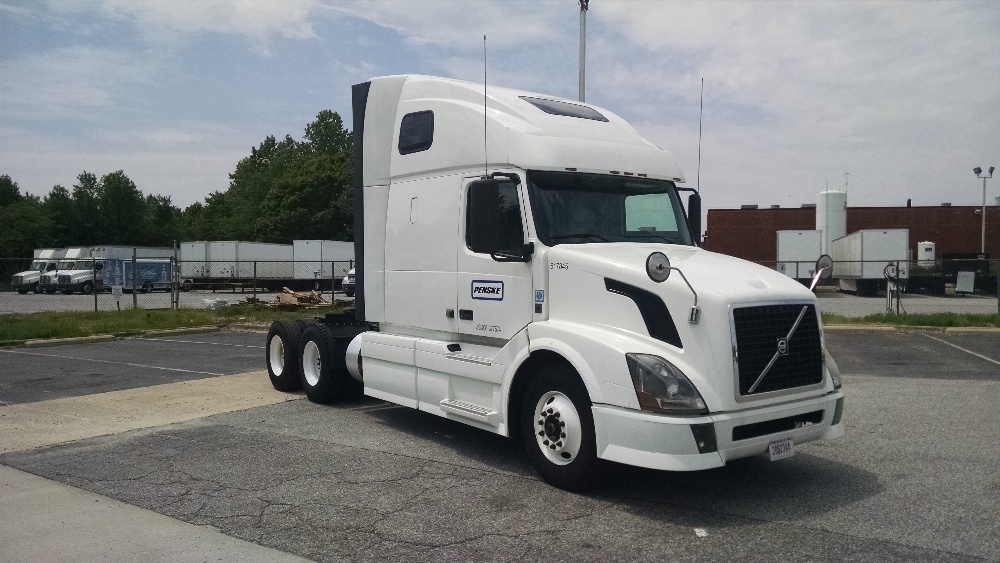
<point x="558" y="431"/>
<point x="276" y="355"/>
<point x="311" y="363"/>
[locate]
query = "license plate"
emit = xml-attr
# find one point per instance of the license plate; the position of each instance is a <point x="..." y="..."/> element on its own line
<point x="780" y="449"/>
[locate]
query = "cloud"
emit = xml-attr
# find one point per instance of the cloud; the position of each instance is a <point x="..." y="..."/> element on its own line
<point x="163" y="22"/>
<point x="461" y="25"/>
<point x="64" y="81"/>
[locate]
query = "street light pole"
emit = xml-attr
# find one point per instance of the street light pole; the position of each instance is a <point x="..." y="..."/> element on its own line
<point x="979" y="174"/>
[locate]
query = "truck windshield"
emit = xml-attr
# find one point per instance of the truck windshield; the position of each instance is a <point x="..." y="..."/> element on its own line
<point x="65" y="265"/>
<point x="37" y="266"/>
<point x="575" y="208"/>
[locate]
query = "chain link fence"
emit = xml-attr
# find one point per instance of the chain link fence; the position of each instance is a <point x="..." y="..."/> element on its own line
<point x="864" y="288"/>
<point x="34" y="286"/>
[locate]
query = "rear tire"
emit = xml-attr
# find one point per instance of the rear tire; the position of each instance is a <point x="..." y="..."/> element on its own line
<point x="323" y="367"/>
<point x="88" y="288"/>
<point x="557" y="427"/>
<point x="282" y="355"/>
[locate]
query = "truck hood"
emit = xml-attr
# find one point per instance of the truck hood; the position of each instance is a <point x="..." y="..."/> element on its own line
<point x="711" y="275"/>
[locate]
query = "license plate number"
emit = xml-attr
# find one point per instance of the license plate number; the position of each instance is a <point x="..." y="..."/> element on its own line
<point x="780" y="449"/>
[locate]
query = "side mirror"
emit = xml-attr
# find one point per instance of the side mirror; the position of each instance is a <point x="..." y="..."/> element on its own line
<point x="483" y="217"/>
<point x="694" y="217"/>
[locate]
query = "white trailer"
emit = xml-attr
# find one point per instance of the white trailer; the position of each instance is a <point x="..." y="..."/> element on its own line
<point x="209" y="263"/>
<point x="322" y="259"/>
<point x="798" y="252"/>
<point x="555" y="293"/>
<point x="863" y="259"/>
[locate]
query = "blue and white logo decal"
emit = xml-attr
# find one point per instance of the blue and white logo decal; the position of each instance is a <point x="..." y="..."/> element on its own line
<point x="539" y="295"/>
<point x="487" y="290"/>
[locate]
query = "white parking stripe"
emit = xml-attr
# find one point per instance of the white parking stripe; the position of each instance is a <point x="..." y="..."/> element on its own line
<point x="199" y="342"/>
<point x="991" y="360"/>
<point x="108" y="362"/>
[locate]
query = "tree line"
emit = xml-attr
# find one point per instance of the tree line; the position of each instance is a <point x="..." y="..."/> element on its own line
<point x="284" y="190"/>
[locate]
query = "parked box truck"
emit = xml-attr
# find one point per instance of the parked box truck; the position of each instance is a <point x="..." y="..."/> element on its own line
<point x="861" y="259"/>
<point x="87" y="273"/>
<point x="142" y="274"/>
<point x="555" y="293"/>
<point x="45" y="261"/>
<point x="798" y="252"/>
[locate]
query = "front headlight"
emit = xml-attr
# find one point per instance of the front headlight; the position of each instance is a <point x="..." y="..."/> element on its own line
<point x="662" y="388"/>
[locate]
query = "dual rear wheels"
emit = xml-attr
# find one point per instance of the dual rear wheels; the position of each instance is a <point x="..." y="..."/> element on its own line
<point x="304" y="355"/>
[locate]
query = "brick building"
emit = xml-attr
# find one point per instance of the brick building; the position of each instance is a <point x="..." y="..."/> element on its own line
<point x="751" y="234"/>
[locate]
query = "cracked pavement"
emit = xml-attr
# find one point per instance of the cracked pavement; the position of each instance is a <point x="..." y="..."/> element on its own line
<point x="915" y="478"/>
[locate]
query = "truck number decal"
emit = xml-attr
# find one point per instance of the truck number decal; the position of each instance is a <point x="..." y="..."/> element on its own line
<point x="559" y="266"/>
<point x="488" y="328"/>
<point x="487" y="290"/>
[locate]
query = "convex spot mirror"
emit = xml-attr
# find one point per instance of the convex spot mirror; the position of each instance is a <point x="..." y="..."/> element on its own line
<point x="824" y="267"/>
<point x="658" y="267"/>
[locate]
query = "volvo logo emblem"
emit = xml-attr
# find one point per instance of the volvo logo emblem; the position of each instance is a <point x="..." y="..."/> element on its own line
<point x="783" y="346"/>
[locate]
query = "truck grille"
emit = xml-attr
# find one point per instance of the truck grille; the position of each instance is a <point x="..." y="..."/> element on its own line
<point x="63" y="279"/>
<point x="18" y="280"/>
<point x="762" y="336"/>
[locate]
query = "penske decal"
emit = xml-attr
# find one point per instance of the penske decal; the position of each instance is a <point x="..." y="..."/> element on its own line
<point x="487" y="290"/>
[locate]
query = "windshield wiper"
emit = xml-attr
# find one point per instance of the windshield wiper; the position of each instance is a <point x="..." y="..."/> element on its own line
<point x="589" y="236"/>
<point x="647" y="234"/>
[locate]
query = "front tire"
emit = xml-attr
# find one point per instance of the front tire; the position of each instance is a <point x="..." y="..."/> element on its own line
<point x="557" y="427"/>
<point x="88" y="288"/>
<point x="282" y="351"/>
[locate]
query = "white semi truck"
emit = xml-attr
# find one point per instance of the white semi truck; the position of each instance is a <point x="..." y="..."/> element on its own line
<point x="45" y="261"/>
<point x="525" y="266"/>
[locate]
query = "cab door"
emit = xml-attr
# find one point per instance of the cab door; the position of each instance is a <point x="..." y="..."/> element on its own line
<point x="495" y="297"/>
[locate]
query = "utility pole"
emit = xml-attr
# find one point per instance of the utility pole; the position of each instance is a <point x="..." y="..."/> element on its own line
<point x="583" y="49"/>
<point x="979" y="174"/>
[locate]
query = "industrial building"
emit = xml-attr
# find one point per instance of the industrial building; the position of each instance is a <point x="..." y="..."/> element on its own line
<point x="751" y="232"/>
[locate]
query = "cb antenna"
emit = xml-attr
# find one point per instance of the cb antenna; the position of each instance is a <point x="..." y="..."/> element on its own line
<point x="486" y="153"/>
<point x="701" y="110"/>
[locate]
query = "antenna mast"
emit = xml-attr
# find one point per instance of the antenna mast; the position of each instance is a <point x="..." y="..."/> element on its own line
<point x="486" y="154"/>
<point x="583" y="49"/>
<point x="701" y="110"/>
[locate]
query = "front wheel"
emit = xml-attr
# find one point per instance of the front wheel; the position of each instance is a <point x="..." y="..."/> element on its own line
<point x="557" y="425"/>
<point x="88" y="288"/>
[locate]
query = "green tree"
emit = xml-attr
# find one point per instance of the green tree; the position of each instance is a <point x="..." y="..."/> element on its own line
<point x="162" y="221"/>
<point x="59" y="206"/>
<point x="24" y="226"/>
<point x="85" y="231"/>
<point x="10" y="193"/>
<point x="122" y="210"/>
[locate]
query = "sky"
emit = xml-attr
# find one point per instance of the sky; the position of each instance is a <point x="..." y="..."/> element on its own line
<point x="900" y="100"/>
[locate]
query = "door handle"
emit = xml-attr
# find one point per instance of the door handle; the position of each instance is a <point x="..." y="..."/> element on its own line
<point x="465" y="314"/>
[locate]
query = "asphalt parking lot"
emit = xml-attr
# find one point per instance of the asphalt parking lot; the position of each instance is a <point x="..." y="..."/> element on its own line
<point x="175" y="431"/>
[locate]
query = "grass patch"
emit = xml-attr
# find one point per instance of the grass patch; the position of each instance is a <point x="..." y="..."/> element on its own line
<point x="943" y="320"/>
<point x="18" y="328"/>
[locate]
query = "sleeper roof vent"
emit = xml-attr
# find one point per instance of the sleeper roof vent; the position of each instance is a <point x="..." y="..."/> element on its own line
<point x="566" y="109"/>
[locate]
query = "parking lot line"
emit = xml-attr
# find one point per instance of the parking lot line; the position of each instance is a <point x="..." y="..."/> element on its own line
<point x="201" y="342"/>
<point x="991" y="360"/>
<point x="22" y="353"/>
